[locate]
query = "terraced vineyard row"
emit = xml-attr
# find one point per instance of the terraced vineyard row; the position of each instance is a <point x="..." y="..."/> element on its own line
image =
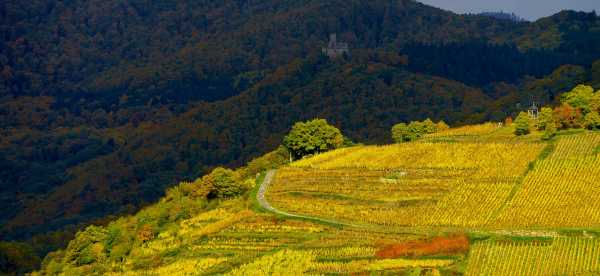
<point x="470" y="130"/>
<point x="230" y="236"/>
<point x="487" y="159"/>
<point x="576" y="146"/>
<point x="561" y="256"/>
<point x="561" y="191"/>
<point x="453" y="184"/>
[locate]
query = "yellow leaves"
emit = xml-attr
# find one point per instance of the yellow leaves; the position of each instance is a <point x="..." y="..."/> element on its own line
<point x="378" y="265"/>
<point x="180" y="267"/>
<point x="289" y="262"/>
<point x="219" y="225"/>
<point x="414" y="184"/>
<point x="560" y="256"/>
<point x="211" y="215"/>
<point x="470" y="130"/>
<point x="557" y="193"/>
<point x="345" y="252"/>
<point x="561" y="191"/>
<point x="510" y="159"/>
<point x="470" y="204"/>
<point x="285" y="262"/>
<point x="576" y="146"/>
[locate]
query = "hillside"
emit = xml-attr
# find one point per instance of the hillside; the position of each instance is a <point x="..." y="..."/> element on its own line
<point x="105" y="104"/>
<point x="472" y="200"/>
<point x="139" y="163"/>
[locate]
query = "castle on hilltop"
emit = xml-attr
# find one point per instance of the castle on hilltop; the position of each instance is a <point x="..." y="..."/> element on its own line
<point x="334" y="48"/>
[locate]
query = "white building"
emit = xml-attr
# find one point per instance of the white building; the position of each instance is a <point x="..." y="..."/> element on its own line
<point x="334" y="48"/>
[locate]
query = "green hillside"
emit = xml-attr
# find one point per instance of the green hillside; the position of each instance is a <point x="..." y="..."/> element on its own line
<point x="104" y="105"/>
<point x="471" y="200"/>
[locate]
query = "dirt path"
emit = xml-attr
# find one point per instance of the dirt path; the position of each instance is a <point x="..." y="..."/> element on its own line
<point x="260" y="197"/>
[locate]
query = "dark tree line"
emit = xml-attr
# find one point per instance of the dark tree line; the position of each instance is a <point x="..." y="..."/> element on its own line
<point x="480" y="62"/>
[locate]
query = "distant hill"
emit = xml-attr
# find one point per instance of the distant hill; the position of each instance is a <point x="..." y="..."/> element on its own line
<point x="504" y="16"/>
<point x="104" y="104"/>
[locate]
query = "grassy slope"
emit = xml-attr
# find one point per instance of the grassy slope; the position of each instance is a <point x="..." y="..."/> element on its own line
<point x="236" y="236"/>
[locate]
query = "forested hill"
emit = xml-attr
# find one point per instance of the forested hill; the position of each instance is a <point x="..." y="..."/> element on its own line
<point x="103" y="104"/>
<point x="181" y="50"/>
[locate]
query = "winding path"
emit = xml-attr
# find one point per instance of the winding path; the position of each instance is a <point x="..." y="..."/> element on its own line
<point x="260" y="197"/>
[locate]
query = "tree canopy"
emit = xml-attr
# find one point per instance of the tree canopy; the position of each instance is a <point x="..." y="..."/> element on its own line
<point x="580" y="97"/>
<point x="522" y="124"/>
<point x="312" y="137"/>
<point x="403" y="132"/>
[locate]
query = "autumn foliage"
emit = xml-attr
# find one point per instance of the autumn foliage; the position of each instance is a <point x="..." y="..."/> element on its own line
<point x="454" y="244"/>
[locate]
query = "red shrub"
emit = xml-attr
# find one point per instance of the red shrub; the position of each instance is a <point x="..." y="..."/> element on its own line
<point x="454" y="244"/>
<point x="568" y="116"/>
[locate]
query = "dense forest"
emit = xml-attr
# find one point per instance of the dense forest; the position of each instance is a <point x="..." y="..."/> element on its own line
<point x="104" y="104"/>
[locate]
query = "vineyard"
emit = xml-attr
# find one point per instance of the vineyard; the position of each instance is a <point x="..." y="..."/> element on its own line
<point x="471" y="130"/>
<point x="260" y="244"/>
<point x="560" y="256"/>
<point x="562" y="190"/>
<point x="468" y="201"/>
<point x="420" y="184"/>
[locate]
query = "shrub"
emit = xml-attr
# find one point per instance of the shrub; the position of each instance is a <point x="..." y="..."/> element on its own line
<point x="442" y="126"/>
<point x="546" y="117"/>
<point x="220" y="183"/>
<point x="87" y="246"/>
<point x="146" y="233"/>
<point x="549" y="131"/>
<point x="522" y="124"/>
<point x="592" y="121"/>
<point x="270" y="160"/>
<point x="595" y="103"/>
<point x="451" y="245"/>
<point x="567" y="116"/>
<point x="400" y="133"/>
<point x="414" y="130"/>
<point x="580" y="97"/>
<point x="428" y="126"/>
<point x="223" y="183"/>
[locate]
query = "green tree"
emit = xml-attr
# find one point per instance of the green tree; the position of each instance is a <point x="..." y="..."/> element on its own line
<point x="580" y="97"/>
<point x="223" y="183"/>
<point x="522" y="124"/>
<point x="549" y="131"/>
<point x="429" y="126"/>
<point x="592" y="121"/>
<point x="545" y="118"/>
<point x="312" y="137"/>
<point x="400" y="133"/>
<point x="416" y="130"/>
<point x="595" y="103"/>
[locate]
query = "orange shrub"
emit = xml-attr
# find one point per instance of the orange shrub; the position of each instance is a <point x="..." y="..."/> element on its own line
<point x="454" y="244"/>
<point x="146" y="233"/>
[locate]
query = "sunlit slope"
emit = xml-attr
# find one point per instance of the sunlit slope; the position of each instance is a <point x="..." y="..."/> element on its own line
<point x="474" y="200"/>
<point x="232" y="240"/>
<point x="497" y="181"/>
<point x="558" y="256"/>
<point x="413" y="184"/>
<point x="562" y="190"/>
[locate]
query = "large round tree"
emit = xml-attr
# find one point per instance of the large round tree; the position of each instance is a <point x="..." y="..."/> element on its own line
<point x="312" y="137"/>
